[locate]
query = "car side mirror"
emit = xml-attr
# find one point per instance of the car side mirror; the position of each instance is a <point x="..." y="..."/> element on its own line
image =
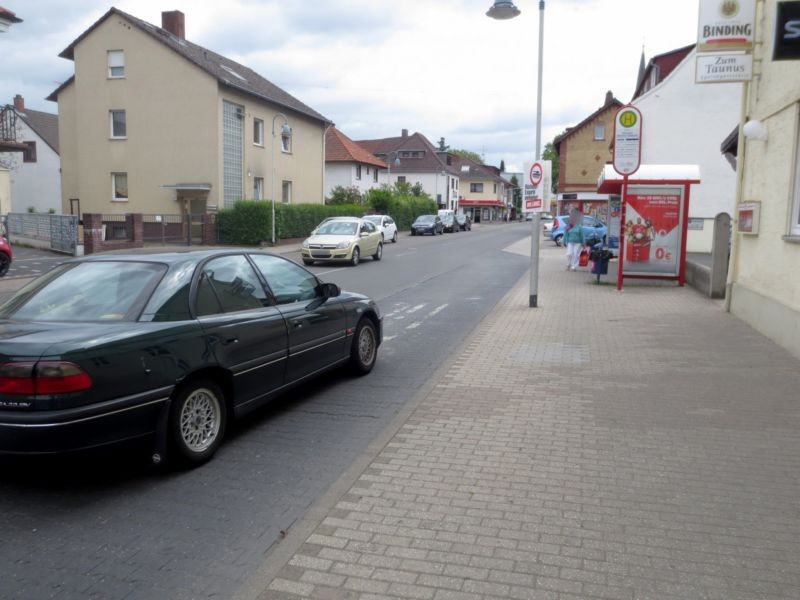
<point x="328" y="290"/>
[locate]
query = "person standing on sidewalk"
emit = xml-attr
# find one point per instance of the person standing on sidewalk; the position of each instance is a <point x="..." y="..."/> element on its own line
<point x="574" y="239"/>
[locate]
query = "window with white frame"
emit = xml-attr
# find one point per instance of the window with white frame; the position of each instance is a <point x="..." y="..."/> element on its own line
<point x="795" y="228"/>
<point x="599" y="131"/>
<point x="258" y="188"/>
<point x="286" y="142"/>
<point x="116" y="63"/>
<point x="358" y="172"/>
<point x="375" y="175"/>
<point x="119" y="187"/>
<point x="258" y="132"/>
<point x="286" y="192"/>
<point x="476" y="188"/>
<point x="494" y="188"/>
<point x="401" y="179"/>
<point x="119" y="128"/>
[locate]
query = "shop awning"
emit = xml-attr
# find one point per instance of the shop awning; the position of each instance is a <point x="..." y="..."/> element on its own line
<point x="481" y="203"/>
<point x="610" y="182"/>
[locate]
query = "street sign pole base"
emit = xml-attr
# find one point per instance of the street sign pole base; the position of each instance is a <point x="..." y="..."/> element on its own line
<point x="533" y="301"/>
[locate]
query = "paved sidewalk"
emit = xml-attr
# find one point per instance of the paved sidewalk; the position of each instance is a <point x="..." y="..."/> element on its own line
<point x="641" y="444"/>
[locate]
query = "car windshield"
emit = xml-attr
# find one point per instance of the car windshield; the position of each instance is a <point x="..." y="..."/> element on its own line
<point x="376" y="220"/>
<point x="89" y="291"/>
<point x="425" y="218"/>
<point x="338" y="228"/>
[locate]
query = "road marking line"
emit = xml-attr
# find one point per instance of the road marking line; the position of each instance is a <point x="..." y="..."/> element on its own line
<point x="415" y="309"/>
<point x="414" y="325"/>
<point x="331" y="271"/>
<point x="437" y="310"/>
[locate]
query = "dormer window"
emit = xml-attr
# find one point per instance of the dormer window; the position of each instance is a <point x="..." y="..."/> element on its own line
<point x="116" y="64"/>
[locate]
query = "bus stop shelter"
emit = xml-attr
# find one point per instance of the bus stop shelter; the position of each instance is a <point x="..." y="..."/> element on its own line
<point x="652" y="222"/>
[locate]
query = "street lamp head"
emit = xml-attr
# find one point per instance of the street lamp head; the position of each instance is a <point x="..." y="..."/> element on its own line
<point x="503" y="9"/>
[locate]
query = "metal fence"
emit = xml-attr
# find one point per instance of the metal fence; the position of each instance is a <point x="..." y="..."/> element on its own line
<point x="59" y="231"/>
<point x="184" y="230"/>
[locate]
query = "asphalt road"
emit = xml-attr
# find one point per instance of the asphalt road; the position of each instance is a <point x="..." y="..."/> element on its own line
<point x="110" y="526"/>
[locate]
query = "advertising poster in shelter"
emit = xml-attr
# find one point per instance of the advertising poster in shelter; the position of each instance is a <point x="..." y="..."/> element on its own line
<point x="653" y="231"/>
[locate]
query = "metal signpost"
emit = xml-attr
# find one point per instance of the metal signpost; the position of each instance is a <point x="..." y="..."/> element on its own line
<point x="627" y="158"/>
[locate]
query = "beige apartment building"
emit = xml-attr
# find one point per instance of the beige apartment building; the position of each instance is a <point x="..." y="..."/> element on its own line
<point x="155" y="124"/>
<point x="764" y="286"/>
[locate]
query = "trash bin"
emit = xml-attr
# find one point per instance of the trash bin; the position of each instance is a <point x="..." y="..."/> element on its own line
<point x="600" y="257"/>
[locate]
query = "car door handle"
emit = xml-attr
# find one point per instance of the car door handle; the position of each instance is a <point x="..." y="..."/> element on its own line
<point x="230" y="340"/>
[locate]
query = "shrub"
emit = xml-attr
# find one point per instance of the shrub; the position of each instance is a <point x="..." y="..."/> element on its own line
<point x="344" y="195"/>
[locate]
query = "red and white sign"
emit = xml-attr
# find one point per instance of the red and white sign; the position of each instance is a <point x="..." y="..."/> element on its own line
<point x="535" y="204"/>
<point x="653" y="232"/>
<point x="627" y="140"/>
<point x="536" y="173"/>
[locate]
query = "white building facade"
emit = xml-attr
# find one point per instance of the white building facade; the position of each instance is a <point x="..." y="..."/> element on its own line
<point x="35" y="174"/>
<point x="683" y="123"/>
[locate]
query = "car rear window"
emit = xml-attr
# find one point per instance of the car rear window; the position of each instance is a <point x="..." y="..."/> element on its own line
<point x="88" y="291"/>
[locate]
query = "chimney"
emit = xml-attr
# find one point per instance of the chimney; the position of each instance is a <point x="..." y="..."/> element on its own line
<point x="173" y="21"/>
<point x="405" y="132"/>
<point x="609" y="97"/>
<point x="19" y="103"/>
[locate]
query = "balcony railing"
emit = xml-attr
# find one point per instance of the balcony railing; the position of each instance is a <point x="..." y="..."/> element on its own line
<point x="8" y="131"/>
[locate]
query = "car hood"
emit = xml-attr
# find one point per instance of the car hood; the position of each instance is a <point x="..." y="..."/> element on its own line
<point x="329" y="239"/>
<point x="34" y="339"/>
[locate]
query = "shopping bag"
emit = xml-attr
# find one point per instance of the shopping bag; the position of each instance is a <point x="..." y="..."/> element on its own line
<point x="584" y="258"/>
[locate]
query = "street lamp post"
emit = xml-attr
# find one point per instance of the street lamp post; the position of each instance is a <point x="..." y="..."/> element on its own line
<point x="389" y="164"/>
<point x="285" y="131"/>
<point x="505" y="9"/>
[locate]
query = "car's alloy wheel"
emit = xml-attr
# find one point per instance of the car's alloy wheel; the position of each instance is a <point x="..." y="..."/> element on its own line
<point x="4" y="264"/>
<point x="364" y="350"/>
<point x="378" y="252"/>
<point x="356" y="257"/>
<point x="198" y="421"/>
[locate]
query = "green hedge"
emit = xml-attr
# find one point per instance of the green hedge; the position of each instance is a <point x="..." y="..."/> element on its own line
<point x="249" y="222"/>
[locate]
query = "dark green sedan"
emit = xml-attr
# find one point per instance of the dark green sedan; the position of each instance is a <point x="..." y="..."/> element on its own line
<point x="168" y="347"/>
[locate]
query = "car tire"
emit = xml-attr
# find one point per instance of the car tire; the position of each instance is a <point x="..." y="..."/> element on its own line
<point x="5" y="263"/>
<point x="356" y="257"/>
<point x="308" y="262"/>
<point x="197" y="421"/>
<point x="382" y="238"/>
<point x="364" y="350"/>
<point x="378" y="252"/>
<point x="394" y="237"/>
<point x="413" y="232"/>
<point x="558" y="239"/>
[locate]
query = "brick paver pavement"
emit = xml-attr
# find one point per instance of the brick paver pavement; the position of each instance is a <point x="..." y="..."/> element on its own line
<point x="630" y="445"/>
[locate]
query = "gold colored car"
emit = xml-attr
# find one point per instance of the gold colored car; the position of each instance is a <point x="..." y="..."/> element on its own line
<point x="343" y="239"/>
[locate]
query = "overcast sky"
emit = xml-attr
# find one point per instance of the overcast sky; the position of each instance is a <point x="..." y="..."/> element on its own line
<point x="440" y="67"/>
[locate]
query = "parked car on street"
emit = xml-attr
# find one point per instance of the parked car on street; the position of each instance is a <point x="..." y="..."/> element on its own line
<point x="449" y="223"/>
<point x="6" y="252"/>
<point x="464" y="222"/>
<point x="427" y="224"/>
<point x="343" y="239"/>
<point x="168" y="347"/>
<point x="594" y="230"/>
<point x="385" y="225"/>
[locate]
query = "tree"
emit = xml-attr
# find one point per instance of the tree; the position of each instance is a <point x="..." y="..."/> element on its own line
<point x="344" y="195"/>
<point x="517" y="194"/>
<point x="551" y="155"/>
<point x="473" y="156"/>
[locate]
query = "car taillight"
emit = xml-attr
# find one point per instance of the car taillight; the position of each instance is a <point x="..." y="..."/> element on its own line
<point x="555" y="224"/>
<point x="44" y="378"/>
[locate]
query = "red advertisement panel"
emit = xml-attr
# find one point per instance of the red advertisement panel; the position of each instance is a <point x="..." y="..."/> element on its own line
<point x="653" y="232"/>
